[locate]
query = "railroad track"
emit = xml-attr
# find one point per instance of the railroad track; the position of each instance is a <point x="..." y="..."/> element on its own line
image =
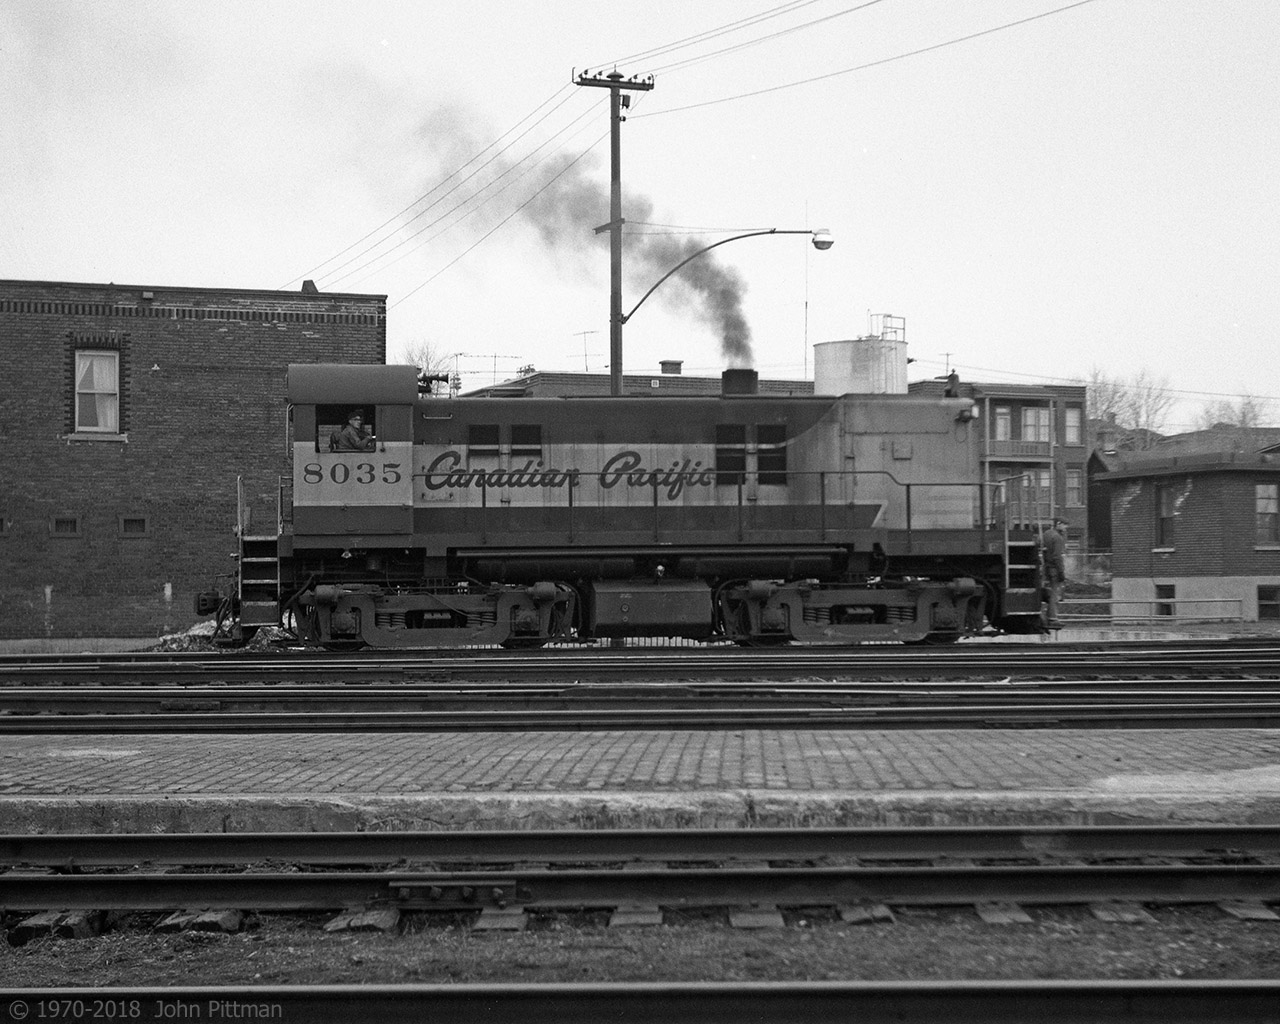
<point x="521" y="707"/>
<point x="957" y="1002"/>
<point x="1237" y="866"/>
<point x="967" y="660"/>
<point x="480" y="872"/>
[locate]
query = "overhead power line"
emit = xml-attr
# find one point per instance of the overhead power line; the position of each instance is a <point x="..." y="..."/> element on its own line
<point x="869" y="64"/>
<point x="448" y="177"/>
<point x="549" y="182"/>
<point x="714" y="33"/>
<point x="680" y="65"/>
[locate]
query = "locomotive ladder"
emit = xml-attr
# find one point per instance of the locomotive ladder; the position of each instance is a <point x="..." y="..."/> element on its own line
<point x="259" y="577"/>
<point x="1021" y="572"/>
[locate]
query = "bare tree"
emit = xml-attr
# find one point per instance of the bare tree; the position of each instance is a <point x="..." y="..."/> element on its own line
<point x="1149" y="402"/>
<point x="1246" y="413"/>
<point x="1107" y="395"/>
<point x="1138" y="407"/>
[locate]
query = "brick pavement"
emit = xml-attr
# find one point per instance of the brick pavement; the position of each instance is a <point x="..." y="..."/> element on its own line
<point x="636" y="779"/>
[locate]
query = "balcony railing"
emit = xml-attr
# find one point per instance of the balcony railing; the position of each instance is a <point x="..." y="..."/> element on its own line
<point x="1020" y="449"/>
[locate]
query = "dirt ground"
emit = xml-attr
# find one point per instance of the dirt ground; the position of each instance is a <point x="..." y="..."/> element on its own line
<point x="925" y="943"/>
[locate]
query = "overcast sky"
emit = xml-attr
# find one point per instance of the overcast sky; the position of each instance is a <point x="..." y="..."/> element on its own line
<point x="1094" y="188"/>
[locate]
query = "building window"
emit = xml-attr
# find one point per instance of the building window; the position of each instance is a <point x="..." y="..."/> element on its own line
<point x="1269" y="602"/>
<point x="64" y="526"/>
<point x="1075" y="488"/>
<point x="1166" y="506"/>
<point x="134" y="526"/>
<point x="1004" y="423"/>
<point x="1035" y="424"/>
<point x="1267" y="504"/>
<point x="526" y="440"/>
<point x="1166" y="598"/>
<point x="1073" y="425"/>
<point x="97" y="392"/>
<point x="771" y="453"/>
<point x="482" y="439"/>
<point x="731" y="453"/>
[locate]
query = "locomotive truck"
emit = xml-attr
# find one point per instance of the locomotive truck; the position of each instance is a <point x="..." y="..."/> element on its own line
<point x="736" y="517"/>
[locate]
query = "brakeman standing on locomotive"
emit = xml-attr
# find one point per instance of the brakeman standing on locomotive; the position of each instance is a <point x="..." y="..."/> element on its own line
<point x="735" y="517"/>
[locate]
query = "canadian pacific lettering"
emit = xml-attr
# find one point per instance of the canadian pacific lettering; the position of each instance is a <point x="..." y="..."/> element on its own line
<point x="626" y="468"/>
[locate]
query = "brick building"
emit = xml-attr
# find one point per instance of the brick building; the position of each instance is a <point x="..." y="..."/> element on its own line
<point x="1197" y="534"/>
<point x="127" y="414"/>
<point x="1034" y="454"/>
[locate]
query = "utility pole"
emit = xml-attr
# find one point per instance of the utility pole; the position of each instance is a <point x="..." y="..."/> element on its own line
<point x="615" y="83"/>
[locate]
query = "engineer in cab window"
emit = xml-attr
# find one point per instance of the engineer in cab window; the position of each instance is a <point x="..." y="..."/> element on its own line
<point x="354" y="437"/>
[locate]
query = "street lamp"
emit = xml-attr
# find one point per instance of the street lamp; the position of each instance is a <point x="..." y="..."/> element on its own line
<point x="822" y="240"/>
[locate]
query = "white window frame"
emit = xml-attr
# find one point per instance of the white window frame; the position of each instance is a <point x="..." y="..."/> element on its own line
<point x="1073" y="424"/>
<point x="1003" y="423"/>
<point x="1075" y="493"/>
<point x="1037" y="423"/>
<point x="1266" y="504"/>
<point x="95" y="392"/>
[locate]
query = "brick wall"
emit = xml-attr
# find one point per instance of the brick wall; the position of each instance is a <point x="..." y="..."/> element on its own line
<point x="202" y="374"/>
<point x="1214" y="527"/>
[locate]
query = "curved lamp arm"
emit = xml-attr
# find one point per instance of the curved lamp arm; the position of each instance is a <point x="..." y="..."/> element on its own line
<point x="821" y="240"/>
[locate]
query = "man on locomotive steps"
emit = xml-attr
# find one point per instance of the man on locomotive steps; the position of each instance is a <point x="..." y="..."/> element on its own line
<point x="352" y="437"/>
<point x="1055" y="567"/>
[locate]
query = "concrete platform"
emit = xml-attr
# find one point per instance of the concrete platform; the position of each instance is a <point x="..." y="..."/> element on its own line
<point x="799" y="778"/>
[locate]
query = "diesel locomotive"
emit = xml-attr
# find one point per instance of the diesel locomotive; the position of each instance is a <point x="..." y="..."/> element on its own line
<point x="737" y="517"/>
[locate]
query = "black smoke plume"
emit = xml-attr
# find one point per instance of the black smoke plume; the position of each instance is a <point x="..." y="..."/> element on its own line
<point x="565" y="215"/>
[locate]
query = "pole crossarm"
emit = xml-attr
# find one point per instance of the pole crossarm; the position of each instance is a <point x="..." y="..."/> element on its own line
<point x="694" y="256"/>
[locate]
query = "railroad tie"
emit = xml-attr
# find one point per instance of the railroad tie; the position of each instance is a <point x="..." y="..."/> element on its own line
<point x="756" y="917"/>
<point x="636" y="915"/>
<point x="876" y="913"/>
<point x="1002" y="913"/>
<point x="1121" y="913"/>
<point x="1249" y="910"/>
<point x="501" y="919"/>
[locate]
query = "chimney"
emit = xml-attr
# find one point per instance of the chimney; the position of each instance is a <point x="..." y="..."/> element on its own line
<point x="671" y="366"/>
<point x="739" y="381"/>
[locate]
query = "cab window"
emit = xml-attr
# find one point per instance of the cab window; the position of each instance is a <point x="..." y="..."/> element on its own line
<point x="345" y="427"/>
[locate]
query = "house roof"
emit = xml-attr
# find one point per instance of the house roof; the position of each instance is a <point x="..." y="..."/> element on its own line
<point x="1157" y="463"/>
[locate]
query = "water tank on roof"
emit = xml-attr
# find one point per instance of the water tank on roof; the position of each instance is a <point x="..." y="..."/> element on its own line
<point x="872" y="365"/>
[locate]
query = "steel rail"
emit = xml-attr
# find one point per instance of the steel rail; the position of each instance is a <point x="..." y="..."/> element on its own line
<point x="1008" y="659"/>
<point x="1183" y="715"/>
<point x="78" y="851"/>
<point x="790" y="1002"/>
<point x="563" y="888"/>
<point x="637" y="693"/>
<point x="612" y="697"/>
